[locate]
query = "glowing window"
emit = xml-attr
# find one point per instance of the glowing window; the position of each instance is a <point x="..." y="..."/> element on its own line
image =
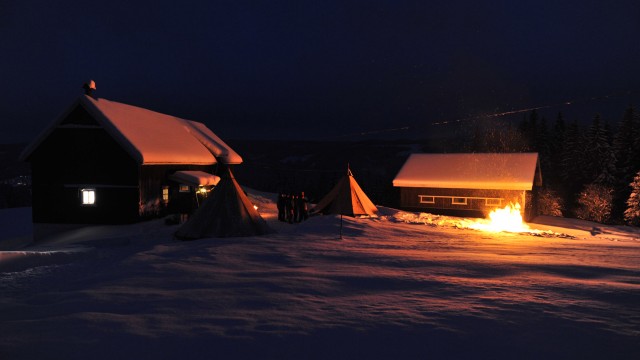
<point x="165" y="194"/>
<point x="184" y="188"/>
<point x="493" y="202"/>
<point x="88" y="196"/>
<point x="459" y="201"/>
<point x="424" y="199"/>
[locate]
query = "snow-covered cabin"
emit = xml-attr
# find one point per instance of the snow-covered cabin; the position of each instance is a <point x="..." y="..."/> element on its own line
<point x="465" y="184"/>
<point x="106" y="162"/>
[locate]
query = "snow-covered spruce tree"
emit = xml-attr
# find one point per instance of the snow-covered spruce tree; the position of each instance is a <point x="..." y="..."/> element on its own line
<point x="549" y="203"/>
<point x="594" y="203"/>
<point x="632" y="214"/>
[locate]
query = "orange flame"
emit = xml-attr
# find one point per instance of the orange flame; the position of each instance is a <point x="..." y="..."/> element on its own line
<point x="507" y="219"/>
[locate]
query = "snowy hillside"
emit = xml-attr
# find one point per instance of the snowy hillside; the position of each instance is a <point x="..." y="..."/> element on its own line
<point x="403" y="285"/>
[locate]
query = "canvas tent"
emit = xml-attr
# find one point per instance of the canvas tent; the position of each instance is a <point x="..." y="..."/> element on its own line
<point x="227" y="212"/>
<point x="346" y="198"/>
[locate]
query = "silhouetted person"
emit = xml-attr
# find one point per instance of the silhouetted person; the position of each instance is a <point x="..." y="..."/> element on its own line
<point x="288" y="208"/>
<point x="292" y="209"/>
<point x="281" y="207"/>
<point x="296" y="208"/>
<point x="302" y="213"/>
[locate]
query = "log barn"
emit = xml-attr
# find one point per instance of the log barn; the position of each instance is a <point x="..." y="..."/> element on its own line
<point x="469" y="184"/>
<point x="104" y="162"/>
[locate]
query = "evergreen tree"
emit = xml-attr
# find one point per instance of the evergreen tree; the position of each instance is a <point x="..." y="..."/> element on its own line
<point x="533" y="129"/>
<point x="624" y="148"/>
<point x="572" y="157"/>
<point x="623" y="143"/>
<point x="635" y="149"/>
<point x="632" y="214"/>
<point x="542" y="138"/>
<point x="556" y="142"/>
<point x="599" y="161"/>
<point x="570" y="166"/>
<point x="543" y="146"/>
<point x="529" y="128"/>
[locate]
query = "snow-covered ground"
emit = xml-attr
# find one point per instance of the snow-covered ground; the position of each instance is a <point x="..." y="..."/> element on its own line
<point x="403" y="285"/>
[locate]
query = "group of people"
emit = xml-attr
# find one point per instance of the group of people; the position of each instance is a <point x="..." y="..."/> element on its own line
<point x="292" y="207"/>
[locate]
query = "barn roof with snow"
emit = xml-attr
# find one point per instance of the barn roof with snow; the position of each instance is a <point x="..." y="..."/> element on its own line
<point x="148" y="136"/>
<point x="512" y="171"/>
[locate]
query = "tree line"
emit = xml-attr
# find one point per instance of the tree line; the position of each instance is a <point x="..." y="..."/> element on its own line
<point x="590" y="172"/>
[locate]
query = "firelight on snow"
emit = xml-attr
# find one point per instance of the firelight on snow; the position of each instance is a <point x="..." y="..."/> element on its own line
<point x="506" y="219"/>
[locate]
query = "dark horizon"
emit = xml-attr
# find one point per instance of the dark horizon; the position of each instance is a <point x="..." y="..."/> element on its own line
<point x="316" y="71"/>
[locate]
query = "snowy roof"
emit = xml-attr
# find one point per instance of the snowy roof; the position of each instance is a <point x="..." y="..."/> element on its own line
<point x="151" y="137"/>
<point x="195" y="178"/>
<point x="513" y="171"/>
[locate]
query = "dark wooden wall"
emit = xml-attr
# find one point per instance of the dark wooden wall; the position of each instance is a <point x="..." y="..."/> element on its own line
<point x="71" y="157"/>
<point x="476" y="203"/>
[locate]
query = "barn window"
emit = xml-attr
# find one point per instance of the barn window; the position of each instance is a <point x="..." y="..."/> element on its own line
<point x="459" y="201"/>
<point x="165" y="194"/>
<point x="493" y="202"/>
<point x="184" y="188"/>
<point x="88" y="196"/>
<point x="424" y="199"/>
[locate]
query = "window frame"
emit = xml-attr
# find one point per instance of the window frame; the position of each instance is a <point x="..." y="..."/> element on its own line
<point x="487" y="202"/>
<point x="454" y="202"/>
<point x="88" y="196"/>
<point x="165" y="194"/>
<point x="423" y="201"/>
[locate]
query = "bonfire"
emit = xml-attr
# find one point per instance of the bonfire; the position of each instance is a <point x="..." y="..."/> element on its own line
<point x="507" y="219"/>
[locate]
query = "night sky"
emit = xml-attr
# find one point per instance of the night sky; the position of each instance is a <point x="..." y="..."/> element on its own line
<point x="318" y="69"/>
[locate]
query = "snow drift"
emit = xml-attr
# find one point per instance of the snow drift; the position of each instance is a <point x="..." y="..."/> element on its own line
<point x="391" y="288"/>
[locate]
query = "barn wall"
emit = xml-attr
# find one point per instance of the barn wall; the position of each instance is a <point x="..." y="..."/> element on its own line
<point x="83" y="157"/>
<point x="476" y="199"/>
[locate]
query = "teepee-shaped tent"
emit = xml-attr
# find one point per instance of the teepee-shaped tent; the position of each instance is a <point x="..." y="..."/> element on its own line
<point x="227" y="212"/>
<point x="346" y="198"/>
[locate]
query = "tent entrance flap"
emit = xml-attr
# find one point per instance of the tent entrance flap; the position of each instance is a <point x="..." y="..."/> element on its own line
<point x="195" y="178"/>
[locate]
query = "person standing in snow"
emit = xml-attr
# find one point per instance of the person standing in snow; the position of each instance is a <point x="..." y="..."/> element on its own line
<point x="281" y="207"/>
<point x="294" y="208"/>
<point x="288" y="208"/>
<point x="303" y="211"/>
